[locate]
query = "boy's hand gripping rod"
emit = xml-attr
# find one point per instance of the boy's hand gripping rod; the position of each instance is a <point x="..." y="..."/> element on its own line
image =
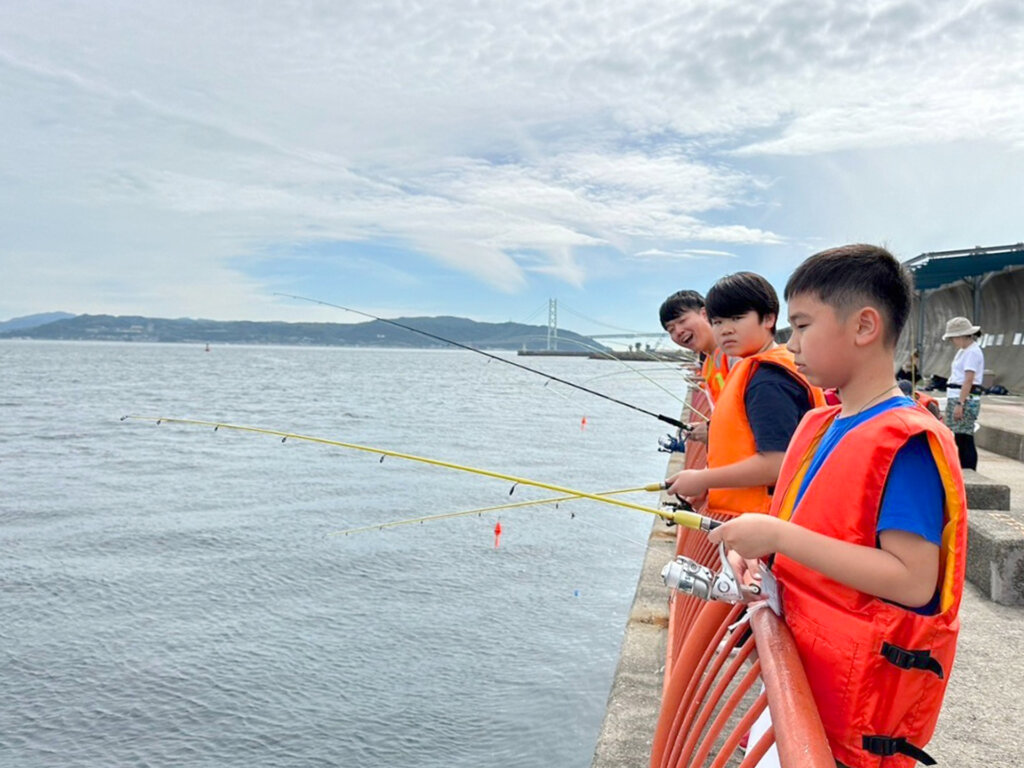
<point x="687" y="519"/>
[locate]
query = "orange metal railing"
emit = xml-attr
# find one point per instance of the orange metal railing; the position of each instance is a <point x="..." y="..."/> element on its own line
<point x="683" y="609"/>
<point x="726" y="674"/>
<point x="721" y="675"/>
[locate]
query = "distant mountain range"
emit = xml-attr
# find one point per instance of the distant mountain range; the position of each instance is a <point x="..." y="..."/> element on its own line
<point x="31" y="321"/>
<point x="60" y="325"/>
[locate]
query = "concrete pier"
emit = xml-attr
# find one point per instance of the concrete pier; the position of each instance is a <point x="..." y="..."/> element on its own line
<point x="628" y="729"/>
<point x="982" y="714"/>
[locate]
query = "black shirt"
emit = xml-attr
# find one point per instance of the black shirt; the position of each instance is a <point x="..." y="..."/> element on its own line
<point x="775" y="403"/>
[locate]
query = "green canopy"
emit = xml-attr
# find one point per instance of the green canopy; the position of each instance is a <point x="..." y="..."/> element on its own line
<point x="934" y="270"/>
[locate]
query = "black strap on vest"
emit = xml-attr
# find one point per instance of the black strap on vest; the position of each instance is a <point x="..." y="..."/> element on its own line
<point x="887" y="746"/>
<point x="905" y="659"/>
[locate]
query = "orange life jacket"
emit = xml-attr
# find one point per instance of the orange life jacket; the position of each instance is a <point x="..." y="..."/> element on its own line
<point x="878" y="672"/>
<point x="714" y="370"/>
<point x="730" y="438"/>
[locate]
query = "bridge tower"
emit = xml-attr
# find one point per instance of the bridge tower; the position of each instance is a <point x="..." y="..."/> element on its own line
<point x="552" y="324"/>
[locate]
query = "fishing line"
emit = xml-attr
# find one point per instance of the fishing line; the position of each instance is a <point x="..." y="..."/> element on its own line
<point x="604" y="354"/>
<point x="659" y="416"/>
<point x="584" y="520"/>
<point x="645" y="543"/>
<point x="654" y="487"/>
<point x="609" y="356"/>
<point x="662" y="374"/>
<point x="683" y="518"/>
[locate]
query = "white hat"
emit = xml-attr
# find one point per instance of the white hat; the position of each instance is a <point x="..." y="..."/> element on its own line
<point x="960" y="326"/>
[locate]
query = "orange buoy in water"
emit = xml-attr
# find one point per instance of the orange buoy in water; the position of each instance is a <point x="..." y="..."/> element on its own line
<point x="583" y="423"/>
<point x="497" y="534"/>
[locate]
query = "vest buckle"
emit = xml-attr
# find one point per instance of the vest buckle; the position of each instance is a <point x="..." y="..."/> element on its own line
<point x="905" y="659"/>
<point x="886" y="746"/>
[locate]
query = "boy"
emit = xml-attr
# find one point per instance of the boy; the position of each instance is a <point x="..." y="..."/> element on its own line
<point x="759" y="407"/>
<point x="930" y="403"/>
<point x="684" y="317"/>
<point x="868" y="527"/>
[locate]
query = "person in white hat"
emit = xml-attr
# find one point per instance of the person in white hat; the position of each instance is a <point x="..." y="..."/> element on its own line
<point x="963" y="388"/>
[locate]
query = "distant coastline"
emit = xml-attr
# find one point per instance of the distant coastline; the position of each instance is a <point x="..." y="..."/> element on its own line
<point x="511" y="336"/>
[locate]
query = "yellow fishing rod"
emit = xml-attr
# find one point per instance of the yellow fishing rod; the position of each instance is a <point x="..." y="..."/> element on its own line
<point x="683" y="518"/>
<point x="465" y="513"/>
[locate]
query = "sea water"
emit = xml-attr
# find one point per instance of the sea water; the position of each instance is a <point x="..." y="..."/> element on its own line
<point x="175" y="596"/>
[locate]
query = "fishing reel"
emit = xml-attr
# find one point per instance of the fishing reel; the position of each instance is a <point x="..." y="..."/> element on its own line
<point x="672" y="443"/>
<point x="676" y="504"/>
<point x="691" y="578"/>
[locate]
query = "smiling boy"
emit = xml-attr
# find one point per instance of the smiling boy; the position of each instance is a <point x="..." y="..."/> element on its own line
<point x="868" y="524"/>
<point x="684" y="317"/>
<point x="759" y="407"/>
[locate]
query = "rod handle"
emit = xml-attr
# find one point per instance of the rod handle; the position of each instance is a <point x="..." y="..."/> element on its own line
<point x="675" y="422"/>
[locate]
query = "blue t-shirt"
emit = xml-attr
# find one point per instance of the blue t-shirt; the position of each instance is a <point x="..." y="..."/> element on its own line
<point x="913" y="498"/>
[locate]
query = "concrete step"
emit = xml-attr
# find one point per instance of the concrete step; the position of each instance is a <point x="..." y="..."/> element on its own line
<point x="985" y="493"/>
<point x="1001" y="426"/>
<point x="995" y="554"/>
<point x="995" y="540"/>
<point x="1001" y="441"/>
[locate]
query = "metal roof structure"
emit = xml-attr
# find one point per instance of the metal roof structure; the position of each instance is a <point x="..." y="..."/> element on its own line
<point x="934" y="270"/>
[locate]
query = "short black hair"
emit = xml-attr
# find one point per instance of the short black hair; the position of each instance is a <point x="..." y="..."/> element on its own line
<point x="679" y="303"/>
<point x="858" y="275"/>
<point x="739" y="293"/>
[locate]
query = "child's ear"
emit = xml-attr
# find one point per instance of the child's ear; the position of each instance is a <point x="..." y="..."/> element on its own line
<point x="869" y="326"/>
<point x="770" y="318"/>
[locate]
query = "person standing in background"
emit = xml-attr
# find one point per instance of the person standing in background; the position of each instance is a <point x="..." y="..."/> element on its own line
<point x="963" y="389"/>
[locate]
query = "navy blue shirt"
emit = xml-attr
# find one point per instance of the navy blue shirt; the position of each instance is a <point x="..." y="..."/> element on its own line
<point x="775" y="403"/>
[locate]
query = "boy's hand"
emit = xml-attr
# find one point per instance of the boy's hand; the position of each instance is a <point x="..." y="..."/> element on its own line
<point x="751" y="535"/>
<point x="748" y="571"/>
<point x="699" y="432"/>
<point x="688" y="483"/>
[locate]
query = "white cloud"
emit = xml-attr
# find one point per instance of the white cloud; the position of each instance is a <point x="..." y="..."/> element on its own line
<point x="502" y="142"/>
<point x="693" y="254"/>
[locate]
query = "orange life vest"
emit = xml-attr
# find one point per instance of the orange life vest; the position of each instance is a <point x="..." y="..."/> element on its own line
<point x="878" y="672"/>
<point x="730" y="438"/>
<point x="714" y="370"/>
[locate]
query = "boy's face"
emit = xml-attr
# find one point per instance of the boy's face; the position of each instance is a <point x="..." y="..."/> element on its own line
<point x="821" y="341"/>
<point x="692" y="331"/>
<point x="743" y="335"/>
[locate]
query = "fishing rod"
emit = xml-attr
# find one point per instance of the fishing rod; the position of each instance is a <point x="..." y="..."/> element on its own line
<point x="466" y="513"/>
<point x="684" y="518"/>
<point x="605" y="355"/>
<point x="666" y="443"/>
<point x="659" y="416"/>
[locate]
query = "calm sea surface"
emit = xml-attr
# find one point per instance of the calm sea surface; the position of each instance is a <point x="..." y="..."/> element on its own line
<point x="171" y="596"/>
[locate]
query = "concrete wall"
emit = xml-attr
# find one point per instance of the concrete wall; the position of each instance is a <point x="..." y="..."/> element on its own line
<point x="1000" y="313"/>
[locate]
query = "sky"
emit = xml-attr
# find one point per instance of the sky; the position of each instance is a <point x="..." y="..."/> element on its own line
<point x="407" y="158"/>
